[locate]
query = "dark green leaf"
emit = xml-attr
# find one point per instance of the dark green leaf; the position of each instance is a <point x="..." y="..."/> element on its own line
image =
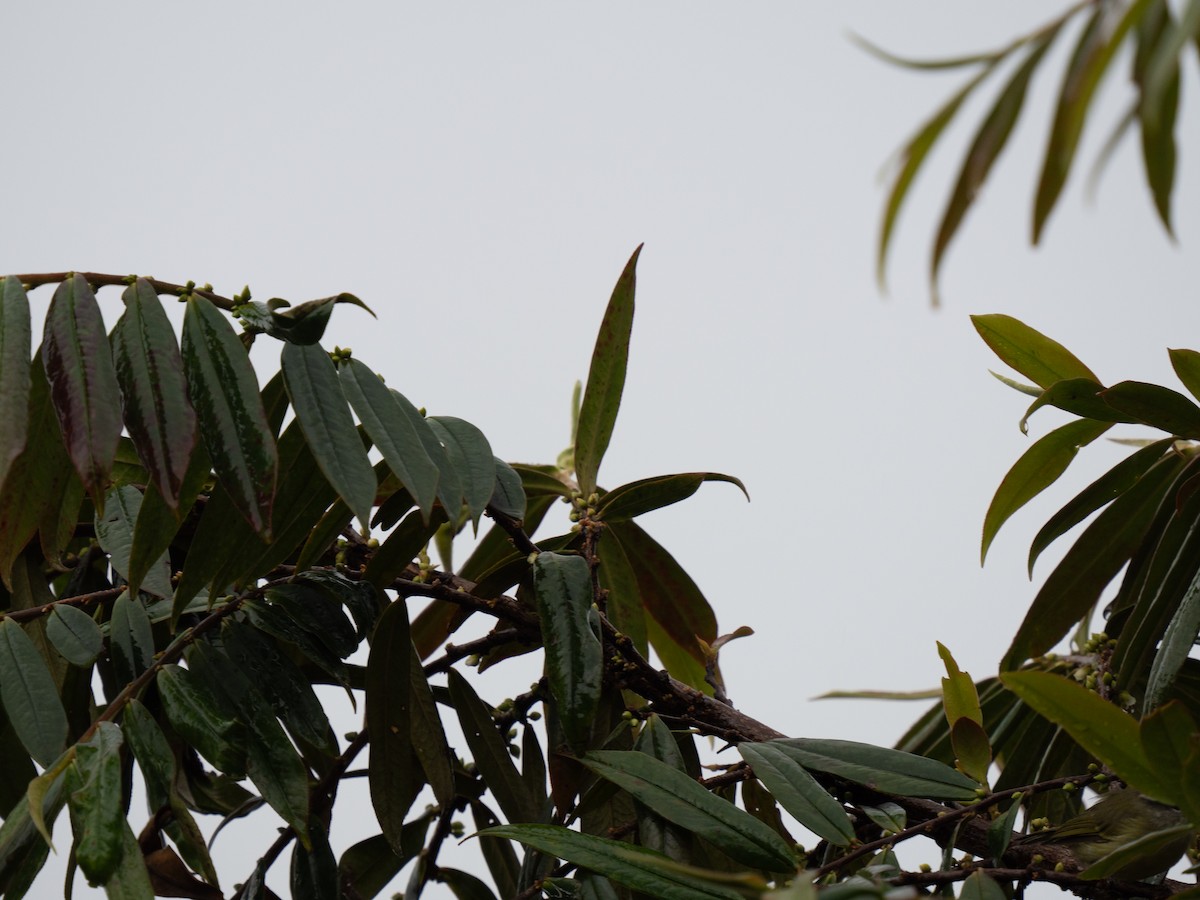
<point x="678" y="798"/>
<point x="314" y="874"/>
<point x="233" y="423"/>
<point x="98" y="805"/>
<point x="980" y="886"/>
<point x="74" y="634"/>
<point x="449" y="488"/>
<point x="1080" y="396"/>
<point x="83" y="382"/>
<point x="130" y="880"/>
<point x="316" y="395"/>
<point x="574" y="653"/>
<point x="154" y="755"/>
<point x="401" y="547"/>
<point x="157" y="524"/>
<point x="367" y="867"/>
<point x="1157" y="112"/>
<point x="643" y="870"/>
<point x="1156" y="406"/>
<point x="131" y="638"/>
<point x="1166" y="735"/>
<point x="15" y="342"/>
<point x="317" y="613"/>
<point x="1187" y="366"/>
<point x="624" y="606"/>
<point x="390" y="722"/>
<point x="1001" y="830"/>
<point x="29" y="695"/>
<point x="159" y="416"/>
<point x="1040" y="359"/>
<point x="463" y="885"/>
<point x="537" y="481"/>
<point x="1177" y="643"/>
<point x="638" y="497"/>
<point x="203" y="719"/>
<point x="509" y="494"/>
<point x="798" y="792"/>
<point x="471" y="456"/>
<point x="606" y="379"/>
<point x="1037" y="469"/>
<point x="279" y="623"/>
<point x="428" y="737"/>
<point x="881" y="768"/>
<point x="115" y="529"/>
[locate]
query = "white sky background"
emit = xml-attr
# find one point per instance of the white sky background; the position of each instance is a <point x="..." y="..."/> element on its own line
<point x="479" y="175"/>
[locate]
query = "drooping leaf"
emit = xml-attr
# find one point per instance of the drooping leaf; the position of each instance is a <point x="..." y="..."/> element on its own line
<point x="98" y="807"/>
<point x="203" y="719"/>
<point x="1177" y="643"/>
<point x="131" y="638"/>
<point x="798" y="792"/>
<point x="314" y="873"/>
<point x="638" y="497"/>
<point x="1040" y="359"/>
<point x="83" y="382"/>
<point x="276" y="621"/>
<point x="30" y="696"/>
<point x="1157" y="112"/>
<point x="233" y="423"/>
<point x="624" y="604"/>
<point x="318" y="613"/>
<point x="74" y="634"/>
<point x="471" y="456"/>
<point x="157" y="411"/>
<point x="508" y="496"/>
<point x="449" y="486"/>
<point x="321" y="409"/>
<point x="15" y="342"/>
<point x="115" y="530"/>
<point x="1037" y="469"/>
<point x="574" y="653"/>
<point x="389" y="722"/>
<point x="157" y="525"/>
<point x="367" y="867"/>
<point x="1156" y="406"/>
<point x="880" y="768"/>
<point x="606" y="379"/>
<point x="130" y="880"/>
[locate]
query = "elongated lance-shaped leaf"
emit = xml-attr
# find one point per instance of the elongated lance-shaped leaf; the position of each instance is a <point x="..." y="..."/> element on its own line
<point x="131" y="639"/>
<point x="29" y="695"/>
<point x="203" y="718"/>
<point x="114" y="531"/>
<point x="449" y="487"/>
<point x="880" y="768"/>
<point x="233" y="423"/>
<point x="312" y="384"/>
<point x="637" y="497"/>
<point x="392" y="432"/>
<point x="1164" y="63"/>
<point x="989" y="142"/>
<point x="1042" y="360"/>
<point x="1176" y="645"/>
<point x="314" y="873"/>
<point x="574" y="653"/>
<point x="471" y="455"/>
<point x="1157" y="111"/>
<point x="799" y="793"/>
<point x="83" y="382"/>
<point x="428" y="735"/>
<point x="1156" y="406"/>
<point x="97" y="808"/>
<point x="606" y="379"/>
<point x="1037" y="469"/>
<point x="389" y="722"/>
<point x="15" y="342"/>
<point x="158" y="414"/>
<point x="679" y="798"/>
<point x="1097" y="45"/>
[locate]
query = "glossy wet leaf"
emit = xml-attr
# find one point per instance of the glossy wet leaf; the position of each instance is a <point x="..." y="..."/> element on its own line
<point x="1042" y="360"/>
<point x="98" y="804"/>
<point x="203" y="719"/>
<point x="154" y="398"/>
<point x="74" y="634"/>
<point x="30" y="696"/>
<point x="471" y="456"/>
<point x="798" y="792"/>
<point x="233" y="423"/>
<point x="606" y="379"/>
<point x="880" y="768"/>
<point x="115" y="530"/>
<point x="638" y="497"/>
<point x="390" y="722"/>
<point x="15" y="342"/>
<point x="83" y="382"/>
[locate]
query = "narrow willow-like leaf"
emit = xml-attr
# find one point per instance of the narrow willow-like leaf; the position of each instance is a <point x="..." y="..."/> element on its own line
<point x="314" y="873"/>
<point x="97" y="807"/>
<point x="651" y="873"/>
<point x="1103" y="730"/>
<point x="606" y="379"/>
<point x="1157" y="113"/>
<point x="157" y="411"/>
<point x="574" y="653"/>
<point x="986" y="147"/>
<point x="449" y="488"/>
<point x="880" y="768"/>
<point x="29" y="695"/>
<point x="83" y="382"/>
<point x="74" y="634"/>
<point x="1163" y="64"/>
<point x="428" y="736"/>
<point x="799" y="793"/>
<point x="15" y="342"/>
<point x="1176" y="644"/>
<point x="1166" y="736"/>
<point x="678" y="798"/>
<point x="471" y="455"/>
<point x="115" y="529"/>
<point x="624" y="608"/>
<point x="1037" y="469"/>
<point x="316" y="395"/>
<point x="1097" y="45"/>
<point x="1103" y="490"/>
<point x="1156" y="406"/>
<point x="1092" y="562"/>
<point x="233" y="423"/>
<point x="631" y="500"/>
<point x="1040" y="359"/>
<point x="389" y="722"/>
<point x="491" y="752"/>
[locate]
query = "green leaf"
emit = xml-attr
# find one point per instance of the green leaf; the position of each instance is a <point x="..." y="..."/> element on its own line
<point x="233" y="423"/>
<point x="574" y="653"/>
<point x="390" y="722"/>
<point x="449" y="488"/>
<point x="276" y="621"/>
<point x="203" y="719"/>
<point x="130" y="880"/>
<point x="980" y="886"/>
<point x="1100" y="492"/>
<point x="392" y="432"/>
<point x="318" y="613"/>
<point x="1037" y="469"/>
<point x="83" y="382"/>
<point x="799" y="793"/>
<point x="115" y="530"/>
<point x="1103" y="730"/>
<point x="624" y="606"/>
<point x="74" y="634"/>
<point x="1092" y="562"/>
<point x="986" y="147"/>
<point x="131" y="638"/>
<point x="428" y="736"/>
<point x="606" y="379"/>
<point x="368" y="866"/>
<point x="157" y="524"/>
<point x="1156" y="406"/>
<point x="490" y="752"/>
<point x="643" y="870"/>
<point x="29" y="695"/>
<point x="1187" y="366"/>
<point x="314" y="874"/>
<point x="1001" y="830"/>
<point x="159" y="416"/>
<point x="471" y="456"/>
<point x="401" y="547"/>
<point x="1176" y="644"/>
<point x="678" y="798"/>
<point x="508" y="496"/>
<point x="1040" y="359"/>
<point x="638" y="497"/>
<point x="321" y="409"/>
<point x="464" y="885"/>
<point x="1167" y="735"/>
<point x="98" y="807"/>
<point x="1080" y="396"/>
<point x="1157" y="112"/>
<point x="15" y="342"/>
<point x="1097" y="45"/>
<point x="880" y="768"/>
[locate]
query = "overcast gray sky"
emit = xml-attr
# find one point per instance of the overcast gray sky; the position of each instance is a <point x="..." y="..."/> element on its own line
<point x="479" y="174"/>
